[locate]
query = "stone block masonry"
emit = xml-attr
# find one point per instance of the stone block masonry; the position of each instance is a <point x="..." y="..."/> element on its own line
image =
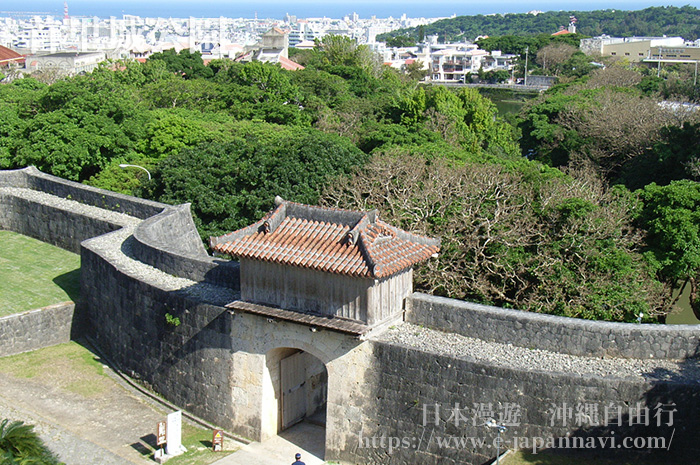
<point x="427" y="394"/>
<point x="60" y="222"/>
<point x="142" y="260"/>
<point x="36" y="329"/>
<point x="554" y="333"/>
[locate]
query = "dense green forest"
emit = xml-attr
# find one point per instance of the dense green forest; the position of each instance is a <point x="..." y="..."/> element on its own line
<point x="653" y="21"/>
<point x="586" y="205"/>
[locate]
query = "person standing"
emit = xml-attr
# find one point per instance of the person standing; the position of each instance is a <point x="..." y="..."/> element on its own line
<point x="298" y="460"/>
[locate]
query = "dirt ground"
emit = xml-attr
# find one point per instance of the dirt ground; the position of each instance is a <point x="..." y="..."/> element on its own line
<point x="71" y="397"/>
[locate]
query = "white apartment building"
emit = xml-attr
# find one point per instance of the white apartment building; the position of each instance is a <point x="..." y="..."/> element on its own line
<point x="65" y="62"/>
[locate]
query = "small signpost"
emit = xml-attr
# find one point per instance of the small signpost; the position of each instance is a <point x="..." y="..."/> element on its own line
<point x="217" y="441"/>
<point x="161" y="434"/>
<point x="161" y="438"/>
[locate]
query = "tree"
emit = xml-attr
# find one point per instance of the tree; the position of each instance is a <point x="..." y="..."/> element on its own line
<point x="262" y="91"/>
<point x="654" y="21"/>
<point x="464" y="118"/>
<point x="19" y="444"/>
<point x="613" y="76"/>
<point x="552" y="56"/>
<point x="78" y="126"/>
<point x="186" y="64"/>
<point x="497" y="76"/>
<point x="416" y="70"/>
<point x="615" y="125"/>
<point x="401" y="41"/>
<point x="516" y="235"/>
<point x="610" y="126"/>
<point x="671" y="217"/>
<point x="234" y="183"/>
<point x="343" y="51"/>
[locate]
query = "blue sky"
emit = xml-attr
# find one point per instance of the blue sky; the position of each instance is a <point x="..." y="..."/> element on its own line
<point x="307" y="8"/>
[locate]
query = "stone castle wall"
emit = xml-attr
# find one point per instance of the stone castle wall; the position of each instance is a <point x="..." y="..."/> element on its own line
<point x="169" y="241"/>
<point x="554" y="333"/>
<point x="145" y="262"/>
<point x="409" y="378"/>
<point x="36" y="329"/>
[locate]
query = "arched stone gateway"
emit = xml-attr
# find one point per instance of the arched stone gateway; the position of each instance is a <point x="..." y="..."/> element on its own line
<point x="295" y="388"/>
<point x="142" y="260"/>
<point x="333" y="362"/>
<point x="314" y="282"/>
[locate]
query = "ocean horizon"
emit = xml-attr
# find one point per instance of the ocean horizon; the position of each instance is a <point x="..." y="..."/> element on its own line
<point x="276" y="9"/>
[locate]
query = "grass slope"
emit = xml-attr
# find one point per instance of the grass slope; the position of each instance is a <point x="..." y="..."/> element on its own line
<point x="34" y="274"/>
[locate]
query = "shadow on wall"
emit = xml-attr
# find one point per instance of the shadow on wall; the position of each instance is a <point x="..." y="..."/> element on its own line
<point x="660" y="426"/>
<point x="70" y="283"/>
<point x="434" y="409"/>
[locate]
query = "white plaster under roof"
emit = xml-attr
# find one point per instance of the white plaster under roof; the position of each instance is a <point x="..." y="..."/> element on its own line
<point x="667" y="42"/>
<point x="305" y="44"/>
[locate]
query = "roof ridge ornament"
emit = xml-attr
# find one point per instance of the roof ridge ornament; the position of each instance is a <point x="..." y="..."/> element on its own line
<point x="331" y="240"/>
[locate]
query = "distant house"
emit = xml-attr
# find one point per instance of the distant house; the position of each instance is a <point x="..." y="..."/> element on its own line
<point x="9" y="57"/>
<point x="67" y="62"/>
<point x="653" y="50"/>
<point x="273" y="48"/>
<point x="571" y="29"/>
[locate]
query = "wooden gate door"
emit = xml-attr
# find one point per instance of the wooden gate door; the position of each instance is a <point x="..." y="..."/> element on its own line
<point x="293" y="380"/>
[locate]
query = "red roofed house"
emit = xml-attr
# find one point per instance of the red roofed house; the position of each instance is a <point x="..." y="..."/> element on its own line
<point x="343" y="270"/>
<point x="561" y="32"/>
<point x="273" y="48"/>
<point x="9" y="57"/>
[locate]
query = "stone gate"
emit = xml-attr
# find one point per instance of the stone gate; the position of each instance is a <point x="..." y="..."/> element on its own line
<point x="376" y="368"/>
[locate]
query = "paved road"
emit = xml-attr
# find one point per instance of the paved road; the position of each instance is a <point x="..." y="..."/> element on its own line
<point x="307" y="439"/>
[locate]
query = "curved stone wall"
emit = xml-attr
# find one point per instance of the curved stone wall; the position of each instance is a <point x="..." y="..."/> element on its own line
<point x="60" y="222"/>
<point x="149" y="263"/>
<point x="125" y="303"/>
<point x="65" y="213"/>
<point x="88" y="195"/>
<point x="169" y="241"/>
<point x="554" y="333"/>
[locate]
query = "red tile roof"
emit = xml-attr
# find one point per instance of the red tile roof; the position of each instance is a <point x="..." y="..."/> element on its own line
<point x="289" y="65"/>
<point x="8" y="56"/>
<point x="331" y="240"/>
<point x="561" y="32"/>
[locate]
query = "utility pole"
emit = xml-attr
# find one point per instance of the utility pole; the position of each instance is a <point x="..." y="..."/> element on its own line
<point x="527" y="50"/>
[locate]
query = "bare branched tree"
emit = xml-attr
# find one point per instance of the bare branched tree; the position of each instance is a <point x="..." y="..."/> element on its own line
<point x="546" y="246"/>
<point x="616" y="75"/>
<point x="553" y="55"/>
<point x="617" y="126"/>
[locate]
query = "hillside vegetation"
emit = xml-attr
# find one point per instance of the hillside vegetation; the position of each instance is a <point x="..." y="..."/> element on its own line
<point x="653" y="21"/>
<point x="586" y="206"/>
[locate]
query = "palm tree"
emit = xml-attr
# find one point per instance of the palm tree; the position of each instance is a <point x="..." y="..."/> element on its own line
<point x="20" y="445"/>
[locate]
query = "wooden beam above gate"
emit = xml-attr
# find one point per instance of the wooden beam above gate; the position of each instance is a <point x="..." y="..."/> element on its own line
<point x="338" y="324"/>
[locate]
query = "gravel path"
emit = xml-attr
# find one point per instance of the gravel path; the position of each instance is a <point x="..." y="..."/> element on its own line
<point x="71" y="449"/>
<point x="519" y="358"/>
<point x="116" y="247"/>
<point x="70" y="205"/>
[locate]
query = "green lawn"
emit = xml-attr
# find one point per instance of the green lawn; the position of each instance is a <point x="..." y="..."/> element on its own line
<point x="34" y="274"/>
<point x="69" y="367"/>
<point x="547" y="457"/>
